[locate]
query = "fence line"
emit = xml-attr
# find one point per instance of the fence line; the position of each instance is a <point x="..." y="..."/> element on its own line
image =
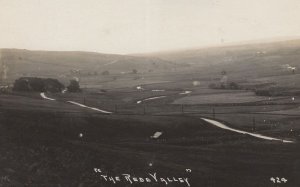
<point x="151" y="110"/>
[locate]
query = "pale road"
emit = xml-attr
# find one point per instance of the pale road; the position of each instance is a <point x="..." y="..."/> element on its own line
<point x="92" y="108"/>
<point x="78" y="104"/>
<point x="221" y="125"/>
<point x="45" y="97"/>
<point x="150" y="98"/>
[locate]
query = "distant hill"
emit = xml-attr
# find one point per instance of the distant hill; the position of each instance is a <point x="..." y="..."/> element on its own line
<point x="245" y="60"/>
<point x="56" y="64"/>
<point x="242" y="62"/>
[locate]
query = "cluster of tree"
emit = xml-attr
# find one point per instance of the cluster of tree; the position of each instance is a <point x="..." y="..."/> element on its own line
<point x="231" y="85"/>
<point x="92" y="73"/>
<point x="263" y="92"/>
<point x="78" y="72"/>
<point x="106" y="72"/>
<point x="5" y="89"/>
<point x="36" y="84"/>
<point x="276" y="91"/>
<point x="75" y="72"/>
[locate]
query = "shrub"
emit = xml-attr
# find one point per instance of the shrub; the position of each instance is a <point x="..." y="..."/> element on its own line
<point x="263" y="92"/>
<point x="105" y="73"/>
<point x="134" y="71"/>
<point x="233" y="86"/>
<point x="212" y="86"/>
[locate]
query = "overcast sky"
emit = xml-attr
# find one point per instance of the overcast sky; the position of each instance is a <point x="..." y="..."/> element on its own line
<point x="133" y="26"/>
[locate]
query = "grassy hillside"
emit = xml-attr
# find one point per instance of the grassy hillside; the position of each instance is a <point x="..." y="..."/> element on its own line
<point x="248" y="64"/>
<point x="63" y="65"/>
<point x="251" y="60"/>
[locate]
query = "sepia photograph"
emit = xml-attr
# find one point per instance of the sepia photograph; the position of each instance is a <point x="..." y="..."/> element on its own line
<point x="149" y="93"/>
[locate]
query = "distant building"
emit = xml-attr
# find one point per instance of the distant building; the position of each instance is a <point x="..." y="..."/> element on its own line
<point x="224" y="80"/>
<point x="4" y="71"/>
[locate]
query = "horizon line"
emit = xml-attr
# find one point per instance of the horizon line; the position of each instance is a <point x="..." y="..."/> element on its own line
<point x="225" y="44"/>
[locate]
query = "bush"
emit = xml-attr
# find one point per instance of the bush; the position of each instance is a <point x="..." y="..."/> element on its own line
<point x="233" y="86"/>
<point x="275" y="91"/>
<point x="212" y="86"/>
<point x="134" y="71"/>
<point x="263" y="92"/>
<point x="105" y="73"/>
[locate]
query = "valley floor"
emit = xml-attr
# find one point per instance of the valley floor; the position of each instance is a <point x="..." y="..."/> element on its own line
<point x="55" y="142"/>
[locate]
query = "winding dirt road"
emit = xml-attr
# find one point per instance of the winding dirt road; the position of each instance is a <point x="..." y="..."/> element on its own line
<point x="43" y="95"/>
<point x="221" y="125"/>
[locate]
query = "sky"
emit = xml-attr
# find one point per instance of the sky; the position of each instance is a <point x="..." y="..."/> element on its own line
<point x="138" y="26"/>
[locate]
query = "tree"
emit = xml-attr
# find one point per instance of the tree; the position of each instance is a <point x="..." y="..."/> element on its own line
<point x="105" y="72"/>
<point x="134" y="71"/>
<point x="74" y="86"/>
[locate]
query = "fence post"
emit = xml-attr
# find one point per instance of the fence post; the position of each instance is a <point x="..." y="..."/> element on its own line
<point x="254" y="124"/>
<point x="182" y="111"/>
<point x="116" y="109"/>
<point x="144" y="109"/>
<point x="214" y="113"/>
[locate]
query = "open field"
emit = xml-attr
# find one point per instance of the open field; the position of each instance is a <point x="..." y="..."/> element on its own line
<point x="243" y="97"/>
<point x="121" y="143"/>
<point x="48" y="144"/>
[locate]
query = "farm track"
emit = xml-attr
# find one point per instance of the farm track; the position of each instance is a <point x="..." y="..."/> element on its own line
<point x="220" y="125"/>
<point x="76" y="103"/>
